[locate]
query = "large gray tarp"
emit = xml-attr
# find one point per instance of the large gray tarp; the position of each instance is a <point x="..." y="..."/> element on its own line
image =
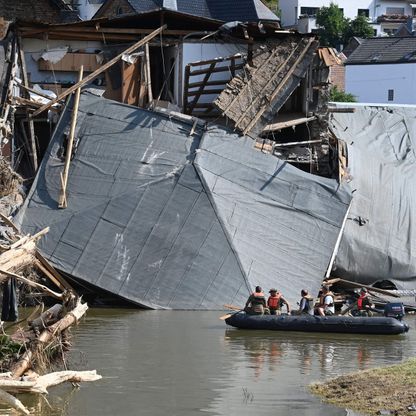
<point x="148" y="223"/>
<point x="379" y="242"/>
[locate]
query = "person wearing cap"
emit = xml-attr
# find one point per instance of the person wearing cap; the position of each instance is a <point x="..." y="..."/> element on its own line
<point x="276" y="301"/>
<point x="364" y="304"/>
<point x="256" y="302"/>
<point x="326" y="305"/>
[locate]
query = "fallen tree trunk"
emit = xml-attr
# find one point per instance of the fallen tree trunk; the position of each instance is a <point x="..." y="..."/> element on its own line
<point x="13" y="402"/>
<point x="69" y="319"/>
<point x="42" y="383"/>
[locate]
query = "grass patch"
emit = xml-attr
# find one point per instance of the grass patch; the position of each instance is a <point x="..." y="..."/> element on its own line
<point x="370" y="392"/>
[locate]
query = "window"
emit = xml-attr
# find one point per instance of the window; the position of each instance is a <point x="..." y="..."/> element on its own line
<point x="309" y="11"/>
<point x="395" y="10"/>
<point x="391" y="95"/>
<point x="363" y="12"/>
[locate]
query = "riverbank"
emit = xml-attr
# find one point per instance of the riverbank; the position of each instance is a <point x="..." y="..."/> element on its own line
<point x="373" y="391"/>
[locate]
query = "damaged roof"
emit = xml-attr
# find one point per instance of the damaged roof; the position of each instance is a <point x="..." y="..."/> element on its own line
<point x="170" y="218"/>
<point x="254" y="96"/>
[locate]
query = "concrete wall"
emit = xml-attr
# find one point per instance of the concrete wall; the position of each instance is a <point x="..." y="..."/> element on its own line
<point x="370" y="83"/>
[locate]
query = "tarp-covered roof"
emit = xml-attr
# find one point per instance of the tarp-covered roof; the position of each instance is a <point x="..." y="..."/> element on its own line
<point x="172" y="220"/>
<point x="379" y="242"/>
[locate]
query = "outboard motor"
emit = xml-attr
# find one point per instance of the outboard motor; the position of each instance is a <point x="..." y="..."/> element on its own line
<point x="394" y="310"/>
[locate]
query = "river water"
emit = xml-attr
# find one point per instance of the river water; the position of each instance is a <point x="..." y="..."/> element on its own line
<point x="166" y="363"/>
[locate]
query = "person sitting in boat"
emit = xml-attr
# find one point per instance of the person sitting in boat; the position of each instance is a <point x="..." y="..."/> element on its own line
<point x="326" y="305"/>
<point x="364" y="304"/>
<point x="256" y="303"/>
<point x="306" y="303"/>
<point x="276" y="301"/>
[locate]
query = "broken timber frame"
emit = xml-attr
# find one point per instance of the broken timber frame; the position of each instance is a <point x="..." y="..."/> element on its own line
<point x="198" y="88"/>
<point x="97" y="72"/>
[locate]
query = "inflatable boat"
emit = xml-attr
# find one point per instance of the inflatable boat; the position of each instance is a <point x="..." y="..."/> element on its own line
<point x="381" y="325"/>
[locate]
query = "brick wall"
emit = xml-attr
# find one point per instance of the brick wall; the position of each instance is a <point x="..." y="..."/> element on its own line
<point x="337" y="76"/>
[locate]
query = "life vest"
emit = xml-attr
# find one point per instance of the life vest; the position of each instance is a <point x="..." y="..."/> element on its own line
<point x="361" y="302"/>
<point x="274" y="301"/>
<point x="257" y="298"/>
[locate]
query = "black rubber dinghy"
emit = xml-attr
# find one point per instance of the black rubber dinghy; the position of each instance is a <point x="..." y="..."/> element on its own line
<point x="308" y="323"/>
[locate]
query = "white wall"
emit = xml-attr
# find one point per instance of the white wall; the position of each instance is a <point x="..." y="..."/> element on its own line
<point x="350" y="7"/>
<point x="370" y="83"/>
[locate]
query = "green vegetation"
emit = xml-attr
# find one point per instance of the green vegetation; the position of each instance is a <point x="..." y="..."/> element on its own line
<point x="339" y="96"/>
<point x="273" y="5"/>
<point x="365" y="391"/>
<point x="334" y="29"/>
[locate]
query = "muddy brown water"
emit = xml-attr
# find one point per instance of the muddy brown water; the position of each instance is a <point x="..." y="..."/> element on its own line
<point x="165" y="363"/>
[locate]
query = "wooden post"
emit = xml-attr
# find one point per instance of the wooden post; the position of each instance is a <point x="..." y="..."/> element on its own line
<point x="98" y="71"/>
<point x="64" y="177"/>
<point x="32" y="151"/>
<point x="148" y="75"/>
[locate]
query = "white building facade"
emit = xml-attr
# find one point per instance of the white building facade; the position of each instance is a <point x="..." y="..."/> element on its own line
<point x="383" y="70"/>
<point x="385" y="83"/>
<point x="384" y="15"/>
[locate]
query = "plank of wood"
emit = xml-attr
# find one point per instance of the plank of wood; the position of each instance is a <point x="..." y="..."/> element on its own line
<point x="100" y="70"/>
<point x="50" y="270"/>
<point x="198" y="93"/>
<point x="289" y="123"/>
<point x="33" y="152"/>
<point x="9" y="222"/>
<point x="62" y="196"/>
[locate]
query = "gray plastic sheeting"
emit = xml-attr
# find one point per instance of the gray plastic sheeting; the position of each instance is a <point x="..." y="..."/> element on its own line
<point x="146" y="223"/>
<point x="379" y="242"/>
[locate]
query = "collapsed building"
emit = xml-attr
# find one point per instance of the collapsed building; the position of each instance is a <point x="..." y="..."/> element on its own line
<point x="204" y="161"/>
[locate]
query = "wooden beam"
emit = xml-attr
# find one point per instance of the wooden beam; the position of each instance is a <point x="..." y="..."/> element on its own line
<point x="298" y="143"/>
<point x="100" y="70"/>
<point x="148" y="75"/>
<point x="52" y="271"/>
<point x="288" y="123"/>
<point x="9" y="222"/>
<point x="218" y="69"/>
<point x="62" y="197"/>
<point x="33" y="284"/>
<point x="198" y="93"/>
<point x="33" y="152"/>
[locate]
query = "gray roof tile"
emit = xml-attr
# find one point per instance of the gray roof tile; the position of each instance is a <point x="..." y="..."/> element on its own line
<point x="384" y="50"/>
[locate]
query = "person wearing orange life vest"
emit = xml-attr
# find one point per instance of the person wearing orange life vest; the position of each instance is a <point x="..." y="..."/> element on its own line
<point x="256" y="303"/>
<point x="275" y="302"/>
<point x="364" y="305"/>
